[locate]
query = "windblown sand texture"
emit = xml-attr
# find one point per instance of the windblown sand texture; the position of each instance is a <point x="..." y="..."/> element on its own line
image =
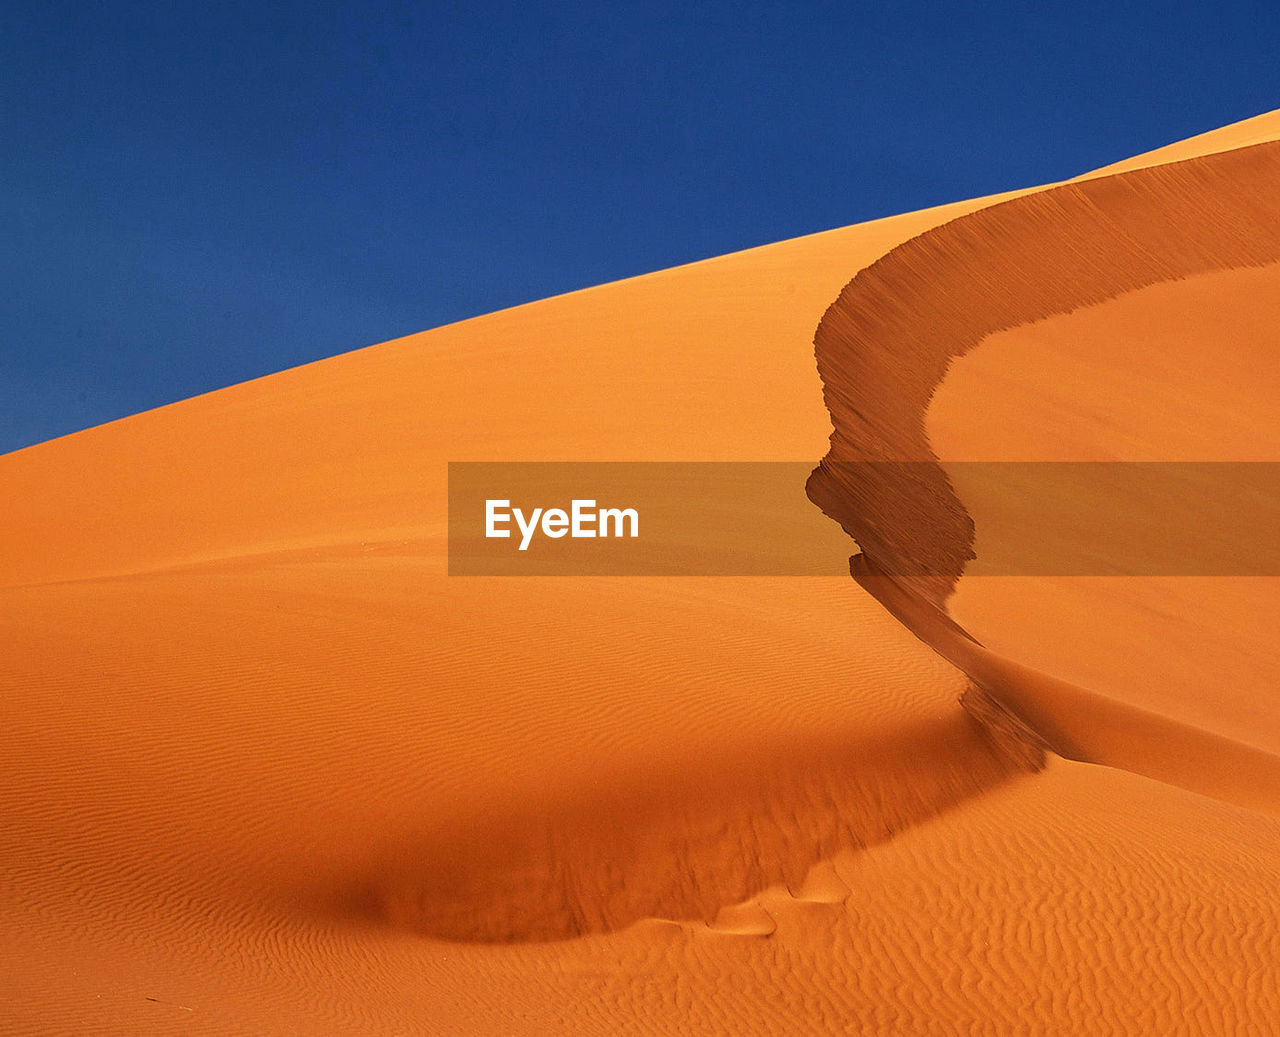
<point x="269" y="769"/>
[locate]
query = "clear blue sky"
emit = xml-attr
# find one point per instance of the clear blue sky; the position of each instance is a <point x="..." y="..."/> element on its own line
<point x="196" y="194"/>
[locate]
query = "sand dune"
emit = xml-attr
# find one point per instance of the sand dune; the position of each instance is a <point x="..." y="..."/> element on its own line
<point x="1212" y="338"/>
<point x="1131" y="379"/>
<point x="269" y="769"/>
<point x="885" y="345"/>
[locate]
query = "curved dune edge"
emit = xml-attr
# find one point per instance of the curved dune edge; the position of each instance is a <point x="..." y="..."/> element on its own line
<point x="884" y="346"/>
<point x="700" y="841"/>
<point x="1079" y="724"/>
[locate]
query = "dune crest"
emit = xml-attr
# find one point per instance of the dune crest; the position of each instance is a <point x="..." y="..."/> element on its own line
<point x="885" y="345"/>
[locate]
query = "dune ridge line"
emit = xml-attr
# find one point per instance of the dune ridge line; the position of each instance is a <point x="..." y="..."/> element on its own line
<point x="884" y="346"/>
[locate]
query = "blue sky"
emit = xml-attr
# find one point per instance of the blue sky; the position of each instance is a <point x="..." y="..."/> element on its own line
<point x="197" y="194"/>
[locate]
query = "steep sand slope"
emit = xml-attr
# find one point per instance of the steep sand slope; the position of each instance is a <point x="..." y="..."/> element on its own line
<point x="1179" y="371"/>
<point x="707" y="362"/>
<point x="269" y="770"/>
<point x="1128" y="379"/>
<point x="697" y="362"/>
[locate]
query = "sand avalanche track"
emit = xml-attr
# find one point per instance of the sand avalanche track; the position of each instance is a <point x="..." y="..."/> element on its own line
<point x="269" y="769"/>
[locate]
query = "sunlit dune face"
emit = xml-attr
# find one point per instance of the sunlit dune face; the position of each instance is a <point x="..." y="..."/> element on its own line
<point x="1186" y="370"/>
<point x="1181" y="371"/>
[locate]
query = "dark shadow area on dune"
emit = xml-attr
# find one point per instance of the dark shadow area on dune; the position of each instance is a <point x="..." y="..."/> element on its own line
<point x="682" y="841"/>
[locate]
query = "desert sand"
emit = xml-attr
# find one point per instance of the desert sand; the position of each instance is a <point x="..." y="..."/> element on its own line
<point x="270" y="769"/>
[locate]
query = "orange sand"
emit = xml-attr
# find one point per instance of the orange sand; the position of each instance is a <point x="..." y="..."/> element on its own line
<point x="270" y="770"/>
<point x="1200" y="648"/>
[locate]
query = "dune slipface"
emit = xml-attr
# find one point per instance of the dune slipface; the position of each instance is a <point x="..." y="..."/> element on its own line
<point x="884" y="348"/>
<point x="270" y="769"/>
